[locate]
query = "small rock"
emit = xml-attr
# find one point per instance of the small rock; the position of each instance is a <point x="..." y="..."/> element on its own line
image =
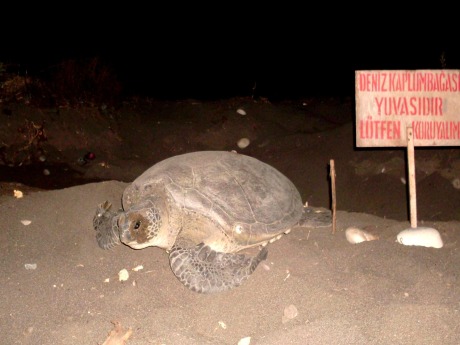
<point x="18" y="194"/>
<point x="26" y="222"/>
<point x="456" y="183"/>
<point x="356" y="235"/>
<point x="290" y="312"/>
<point x="241" y="112"/>
<point x="245" y="341"/>
<point x="123" y="275"/>
<point x="46" y="172"/>
<point x="243" y="143"/>
<point x="420" y="236"/>
<point x="30" y="266"/>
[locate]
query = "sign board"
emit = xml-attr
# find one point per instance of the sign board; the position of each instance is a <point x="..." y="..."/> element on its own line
<point x="389" y="101"/>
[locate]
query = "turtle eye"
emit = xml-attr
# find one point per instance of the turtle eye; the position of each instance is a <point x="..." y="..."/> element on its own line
<point x="137" y="225"/>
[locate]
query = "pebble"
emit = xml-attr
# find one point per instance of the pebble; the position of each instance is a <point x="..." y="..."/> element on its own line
<point x="290" y="312"/>
<point x="245" y="341"/>
<point x="425" y="237"/>
<point x="243" y="143"/>
<point x="18" y="194"/>
<point x="30" y="266"/>
<point x="241" y="112"/>
<point x="456" y="183"/>
<point x="123" y="275"/>
<point x="356" y="235"/>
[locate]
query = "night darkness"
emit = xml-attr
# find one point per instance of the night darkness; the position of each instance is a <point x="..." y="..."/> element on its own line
<point x="220" y="54"/>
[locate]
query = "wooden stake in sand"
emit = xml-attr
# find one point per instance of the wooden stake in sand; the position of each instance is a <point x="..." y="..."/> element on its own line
<point x="411" y="176"/>
<point x="423" y="236"/>
<point x="334" y="205"/>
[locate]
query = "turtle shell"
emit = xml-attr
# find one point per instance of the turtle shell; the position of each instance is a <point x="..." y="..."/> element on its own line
<point x="240" y="193"/>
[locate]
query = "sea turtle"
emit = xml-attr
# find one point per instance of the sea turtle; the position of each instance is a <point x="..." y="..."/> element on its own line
<point x="203" y="208"/>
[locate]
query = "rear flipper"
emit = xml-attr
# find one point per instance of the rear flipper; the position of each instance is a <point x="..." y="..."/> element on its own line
<point x="105" y="224"/>
<point x="204" y="270"/>
<point x="315" y="217"/>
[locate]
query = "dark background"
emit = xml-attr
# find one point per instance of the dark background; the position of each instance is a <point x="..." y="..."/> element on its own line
<point x="183" y="51"/>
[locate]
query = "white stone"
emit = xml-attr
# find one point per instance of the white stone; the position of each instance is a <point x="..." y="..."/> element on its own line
<point x="123" y="275"/>
<point x="243" y="143"/>
<point x="425" y="237"/>
<point x="356" y="235"/>
<point x="245" y="341"/>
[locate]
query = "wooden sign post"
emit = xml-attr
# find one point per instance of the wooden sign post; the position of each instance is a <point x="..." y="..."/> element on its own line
<point x="411" y="178"/>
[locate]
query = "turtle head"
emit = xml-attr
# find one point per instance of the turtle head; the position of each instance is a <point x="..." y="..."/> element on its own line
<point x="140" y="226"/>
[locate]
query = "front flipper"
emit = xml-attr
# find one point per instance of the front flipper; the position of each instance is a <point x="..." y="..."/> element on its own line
<point x="105" y="224"/>
<point x="204" y="270"/>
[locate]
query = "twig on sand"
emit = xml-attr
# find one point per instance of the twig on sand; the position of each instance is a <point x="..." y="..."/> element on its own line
<point x="118" y="336"/>
<point x="332" y="173"/>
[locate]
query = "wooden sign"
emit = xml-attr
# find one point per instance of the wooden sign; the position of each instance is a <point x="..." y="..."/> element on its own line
<point x="388" y="102"/>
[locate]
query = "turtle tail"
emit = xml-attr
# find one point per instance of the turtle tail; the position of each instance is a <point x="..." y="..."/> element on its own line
<point x="204" y="270"/>
<point x="105" y="224"/>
